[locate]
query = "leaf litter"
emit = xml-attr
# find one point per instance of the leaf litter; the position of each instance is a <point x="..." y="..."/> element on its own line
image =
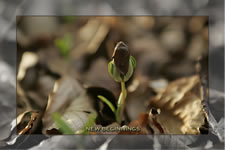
<point x="176" y="94"/>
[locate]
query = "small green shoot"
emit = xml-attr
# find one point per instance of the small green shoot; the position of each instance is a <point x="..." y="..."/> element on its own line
<point x="64" y="45"/>
<point x="69" y="19"/>
<point x="120" y="68"/>
<point x="89" y="123"/>
<point x="61" y="124"/>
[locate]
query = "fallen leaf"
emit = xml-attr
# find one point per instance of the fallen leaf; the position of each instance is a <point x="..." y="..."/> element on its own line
<point x="181" y="106"/>
<point x="71" y="101"/>
<point x="25" y="122"/>
<point x="141" y="123"/>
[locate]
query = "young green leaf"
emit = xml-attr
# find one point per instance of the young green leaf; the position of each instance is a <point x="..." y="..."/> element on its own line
<point x="113" y="71"/>
<point x="111" y="68"/>
<point x="61" y="124"/>
<point x="89" y="123"/>
<point x="105" y="100"/>
<point x="64" y="45"/>
<point x="133" y="61"/>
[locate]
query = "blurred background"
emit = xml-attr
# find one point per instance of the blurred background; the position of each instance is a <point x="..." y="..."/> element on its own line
<point x="160" y="35"/>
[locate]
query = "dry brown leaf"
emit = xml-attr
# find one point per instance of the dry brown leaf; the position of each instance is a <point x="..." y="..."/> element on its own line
<point x="141" y="123"/>
<point x="26" y="121"/>
<point x="71" y="101"/>
<point x="98" y="76"/>
<point x="90" y="36"/>
<point x="181" y="106"/>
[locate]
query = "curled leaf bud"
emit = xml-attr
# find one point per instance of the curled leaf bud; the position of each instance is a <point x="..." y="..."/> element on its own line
<point x="122" y="65"/>
<point x="121" y="57"/>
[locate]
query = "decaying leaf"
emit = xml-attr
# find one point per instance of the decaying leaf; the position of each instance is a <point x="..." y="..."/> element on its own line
<point x="142" y="123"/>
<point x="90" y="37"/>
<point x="26" y="121"/>
<point x="148" y="123"/>
<point x="139" y="92"/>
<point x="153" y="122"/>
<point x="71" y="101"/>
<point x="98" y="76"/>
<point x="22" y="102"/>
<point x="181" y="106"/>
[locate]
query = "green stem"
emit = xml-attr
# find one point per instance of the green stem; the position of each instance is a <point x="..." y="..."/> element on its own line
<point x="121" y="101"/>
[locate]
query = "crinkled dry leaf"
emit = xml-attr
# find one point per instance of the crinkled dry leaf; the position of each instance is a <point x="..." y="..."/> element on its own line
<point x="25" y="122"/>
<point x="71" y="101"/>
<point x="181" y="106"/>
